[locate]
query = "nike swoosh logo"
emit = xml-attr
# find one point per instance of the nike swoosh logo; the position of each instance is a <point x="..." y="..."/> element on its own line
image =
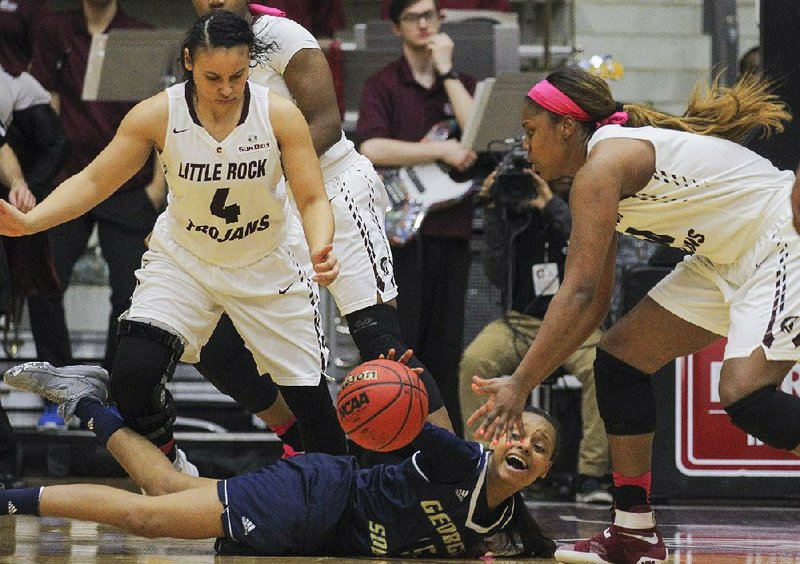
<point x="331" y="198"/>
<point x="174" y="130"/>
<point x="652" y="538"/>
<point x="285" y="289"/>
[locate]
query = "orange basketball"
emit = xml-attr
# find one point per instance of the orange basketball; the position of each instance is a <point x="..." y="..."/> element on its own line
<point x="382" y="405"/>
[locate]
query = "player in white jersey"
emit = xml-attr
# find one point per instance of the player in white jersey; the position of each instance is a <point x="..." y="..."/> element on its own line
<point x="365" y="289"/>
<point x="227" y="241"/>
<point x="685" y="182"/>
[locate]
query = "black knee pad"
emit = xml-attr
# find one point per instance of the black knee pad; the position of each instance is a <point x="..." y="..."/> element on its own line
<point x="143" y="364"/>
<point x="375" y="330"/>
<point x="770" y="415"/>
<point x="625" y="396"/>
<point x="228" y="364"/>
<point x="316" y="417"/>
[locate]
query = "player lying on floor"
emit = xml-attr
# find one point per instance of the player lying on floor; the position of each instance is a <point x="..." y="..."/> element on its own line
<point x="445" y="500"/>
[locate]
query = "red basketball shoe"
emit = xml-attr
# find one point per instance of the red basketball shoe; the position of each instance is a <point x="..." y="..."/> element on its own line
<point x="632" y="539"/>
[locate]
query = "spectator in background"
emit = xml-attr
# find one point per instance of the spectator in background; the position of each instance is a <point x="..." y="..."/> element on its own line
<point x="36" y="143"/>
<point x="498" y="5"/>
<point x="400" y="105"/>
<point x="15" y="189"/>
<point x="18" y="27"/>
<point x="527" y="230"/>
<point x="322" y="18"/>
<point x="123" y="221"/>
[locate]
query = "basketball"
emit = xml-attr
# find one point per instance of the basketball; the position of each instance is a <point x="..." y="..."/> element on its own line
<point x="382" y="405"/>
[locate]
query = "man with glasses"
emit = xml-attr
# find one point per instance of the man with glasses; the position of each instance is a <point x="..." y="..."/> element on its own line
<point x="411" y="113"/>
<point x="496" y="5"/>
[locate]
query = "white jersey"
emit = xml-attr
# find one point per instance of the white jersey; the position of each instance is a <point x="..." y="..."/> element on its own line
<point x="224" y="203"/>
<point x="286" y="38"/>
<point x="708" y="196"/>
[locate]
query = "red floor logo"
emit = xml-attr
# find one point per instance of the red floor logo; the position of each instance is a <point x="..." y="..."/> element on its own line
<point x="707" y="443"/>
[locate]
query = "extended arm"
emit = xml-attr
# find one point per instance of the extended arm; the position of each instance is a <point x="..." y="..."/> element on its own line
<point x="304" y="177"/>
<point x="309" y="79"/>
<point x="581" y="302"/>
<point x="120" y="160"/>
<point x="443" y="457"/>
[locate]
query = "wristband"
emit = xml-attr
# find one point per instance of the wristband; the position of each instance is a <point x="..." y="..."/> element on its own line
<point x="451" y="74"/>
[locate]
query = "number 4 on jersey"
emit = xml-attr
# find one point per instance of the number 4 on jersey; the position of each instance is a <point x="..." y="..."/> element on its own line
<point x="229" y="213"/>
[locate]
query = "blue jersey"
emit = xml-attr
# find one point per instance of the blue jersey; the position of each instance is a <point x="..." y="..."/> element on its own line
<point x="432" y="504"/>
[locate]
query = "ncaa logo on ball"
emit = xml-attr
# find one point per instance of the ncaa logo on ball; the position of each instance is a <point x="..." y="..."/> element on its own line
<point x="353" y="404"/>
<point x="365" y="375"/>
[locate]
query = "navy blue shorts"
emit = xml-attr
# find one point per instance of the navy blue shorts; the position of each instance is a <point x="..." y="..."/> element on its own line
<point x="292" y="507"/>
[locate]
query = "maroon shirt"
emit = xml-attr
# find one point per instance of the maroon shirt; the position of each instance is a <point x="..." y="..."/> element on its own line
<point x="59" y="62"/>
<point x="395" y="106"/>
<point x="19" y="24"/>
<point x="498" y="5"/>
<point x="321" y="17"/>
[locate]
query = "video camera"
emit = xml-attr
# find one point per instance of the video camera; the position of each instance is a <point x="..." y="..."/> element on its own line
<point x="513" y="185"/>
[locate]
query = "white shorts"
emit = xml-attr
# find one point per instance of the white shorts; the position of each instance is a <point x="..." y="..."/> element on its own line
<point x="273" y="303"/>
<point x="754" y="301"/>
<point x="359" y="201"/>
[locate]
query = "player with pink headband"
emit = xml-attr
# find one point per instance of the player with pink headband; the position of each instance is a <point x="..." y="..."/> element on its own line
<point x="687" y="183"/>
<point x="554" y="100"/>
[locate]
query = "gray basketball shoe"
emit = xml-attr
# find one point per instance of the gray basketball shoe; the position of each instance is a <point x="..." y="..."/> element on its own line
<point x="64" y="386"/>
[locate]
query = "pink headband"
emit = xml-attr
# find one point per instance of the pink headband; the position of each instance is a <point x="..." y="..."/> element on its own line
<point x="552" y="99"/>
<point x="261" y="10"/>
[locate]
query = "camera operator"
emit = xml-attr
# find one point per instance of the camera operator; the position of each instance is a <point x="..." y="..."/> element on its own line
<point x="527" y="230"/>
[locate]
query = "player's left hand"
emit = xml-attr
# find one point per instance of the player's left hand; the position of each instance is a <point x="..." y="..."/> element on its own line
<point x="502" y="411"/>
<point x="326" y="267"/>
<point x="404" y="358"/>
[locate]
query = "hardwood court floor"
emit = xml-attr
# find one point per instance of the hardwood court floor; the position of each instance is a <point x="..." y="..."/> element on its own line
<point x="713" y="534"/>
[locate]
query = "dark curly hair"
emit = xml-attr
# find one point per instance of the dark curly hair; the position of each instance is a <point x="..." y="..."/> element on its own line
<point x="223" y="29"/>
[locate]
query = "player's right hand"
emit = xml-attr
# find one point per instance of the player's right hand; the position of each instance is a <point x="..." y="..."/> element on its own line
<point x="13" y="222"/>
<point x="404" y="358"/>
<point x="502" y="411"/>
<point x="326" y="267"/>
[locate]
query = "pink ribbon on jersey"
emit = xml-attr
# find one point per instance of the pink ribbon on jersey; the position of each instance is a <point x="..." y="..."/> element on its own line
<point x="261" y="10"/>
<point x="552" y="99"/>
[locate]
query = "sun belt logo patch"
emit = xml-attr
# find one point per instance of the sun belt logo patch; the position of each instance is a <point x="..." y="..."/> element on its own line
<point x="461" y="494"/>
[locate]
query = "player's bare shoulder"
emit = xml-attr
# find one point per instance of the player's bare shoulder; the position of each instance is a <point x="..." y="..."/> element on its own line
<point x="149" y="119"/>
<point x="283" y="114"/>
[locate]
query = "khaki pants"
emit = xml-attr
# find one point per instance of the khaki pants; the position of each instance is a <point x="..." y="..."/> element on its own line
<point x="498" y="350"/>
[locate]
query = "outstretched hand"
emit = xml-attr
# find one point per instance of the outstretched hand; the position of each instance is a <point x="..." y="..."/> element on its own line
<point x="404" y="358"/>
<point x="13" y="222"/>
<point x="326" y="267"/>
<point x="502" y="411"/>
